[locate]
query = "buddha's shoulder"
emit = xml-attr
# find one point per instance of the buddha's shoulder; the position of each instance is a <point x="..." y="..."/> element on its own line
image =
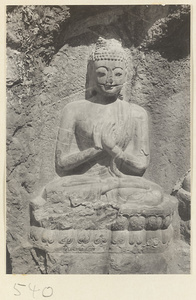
<point x="72" y="107"/>
<point x="138" y="111"/>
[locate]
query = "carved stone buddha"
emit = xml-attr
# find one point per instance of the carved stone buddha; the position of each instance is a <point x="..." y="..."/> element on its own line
<point x="100" y="203"/>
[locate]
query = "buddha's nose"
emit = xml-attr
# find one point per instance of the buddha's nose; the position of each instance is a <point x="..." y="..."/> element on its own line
<point x="110" y="79"/>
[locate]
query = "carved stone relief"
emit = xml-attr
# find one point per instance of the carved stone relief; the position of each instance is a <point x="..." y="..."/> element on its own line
<point x="101" y="203"/>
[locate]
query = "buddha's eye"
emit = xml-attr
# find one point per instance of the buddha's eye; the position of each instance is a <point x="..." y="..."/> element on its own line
<point x="100" y="74"/>
<point x="118" y="74"/>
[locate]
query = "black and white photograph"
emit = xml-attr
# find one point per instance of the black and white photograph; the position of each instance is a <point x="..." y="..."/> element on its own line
<point x="98" y="139"/>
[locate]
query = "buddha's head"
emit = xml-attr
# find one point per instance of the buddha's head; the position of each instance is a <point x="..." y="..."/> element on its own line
<point x="108" y="67"/>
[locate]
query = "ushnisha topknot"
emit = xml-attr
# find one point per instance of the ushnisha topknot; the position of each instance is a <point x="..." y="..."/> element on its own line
<point x="108" y="50"/>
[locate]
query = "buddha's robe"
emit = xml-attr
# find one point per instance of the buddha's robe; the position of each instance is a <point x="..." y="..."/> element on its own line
<point x="103" y="176"/>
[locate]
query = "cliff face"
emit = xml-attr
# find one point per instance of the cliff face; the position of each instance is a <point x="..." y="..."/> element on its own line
<point x="47" y="52"/>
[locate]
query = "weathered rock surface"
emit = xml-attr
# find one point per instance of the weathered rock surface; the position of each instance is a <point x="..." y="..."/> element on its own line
<point x="182" y="190"/>
<point x="48" y="47"/>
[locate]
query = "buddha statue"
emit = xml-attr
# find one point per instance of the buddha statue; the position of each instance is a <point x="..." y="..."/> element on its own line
<point x="102" y="152"/>
<point x="102" y="144"/>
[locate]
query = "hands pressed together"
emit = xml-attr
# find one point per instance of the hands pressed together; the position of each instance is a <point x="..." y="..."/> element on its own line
<point x="104" y="135"/>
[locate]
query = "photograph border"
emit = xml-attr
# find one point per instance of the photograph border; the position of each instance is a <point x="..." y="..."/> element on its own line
<point x="85" y="287"/>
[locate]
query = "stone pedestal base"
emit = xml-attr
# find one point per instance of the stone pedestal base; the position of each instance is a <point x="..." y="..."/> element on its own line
<point x="104" y="263"/>
<point x="134" y="243"/>
<point x="174" y="260"/>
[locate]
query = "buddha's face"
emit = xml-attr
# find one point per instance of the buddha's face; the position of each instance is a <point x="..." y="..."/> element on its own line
<point x="110" y="75"/>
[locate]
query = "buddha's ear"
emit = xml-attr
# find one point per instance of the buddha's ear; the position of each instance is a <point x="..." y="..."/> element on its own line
<point x="90" y="79"/>
<point x="123" y="90"/>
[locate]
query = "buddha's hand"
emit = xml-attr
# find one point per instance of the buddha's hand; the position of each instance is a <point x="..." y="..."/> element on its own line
<point x="108" y="137"/>
<point x="97" y="131"/>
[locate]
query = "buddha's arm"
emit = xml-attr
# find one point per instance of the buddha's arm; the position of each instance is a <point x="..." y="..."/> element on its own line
<point x="65" y="158"/>
<point x="134" y="160"/>
<point x="71" y="161"/>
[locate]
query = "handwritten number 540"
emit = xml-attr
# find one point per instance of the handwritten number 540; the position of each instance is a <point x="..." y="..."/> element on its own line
<point x="46" y="291"/>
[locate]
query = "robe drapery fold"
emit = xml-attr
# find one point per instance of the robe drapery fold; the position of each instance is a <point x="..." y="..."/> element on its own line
<point x="102" y="176"/>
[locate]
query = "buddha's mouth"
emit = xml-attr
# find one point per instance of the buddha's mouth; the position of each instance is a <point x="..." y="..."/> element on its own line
<point x="109" y="86"/>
